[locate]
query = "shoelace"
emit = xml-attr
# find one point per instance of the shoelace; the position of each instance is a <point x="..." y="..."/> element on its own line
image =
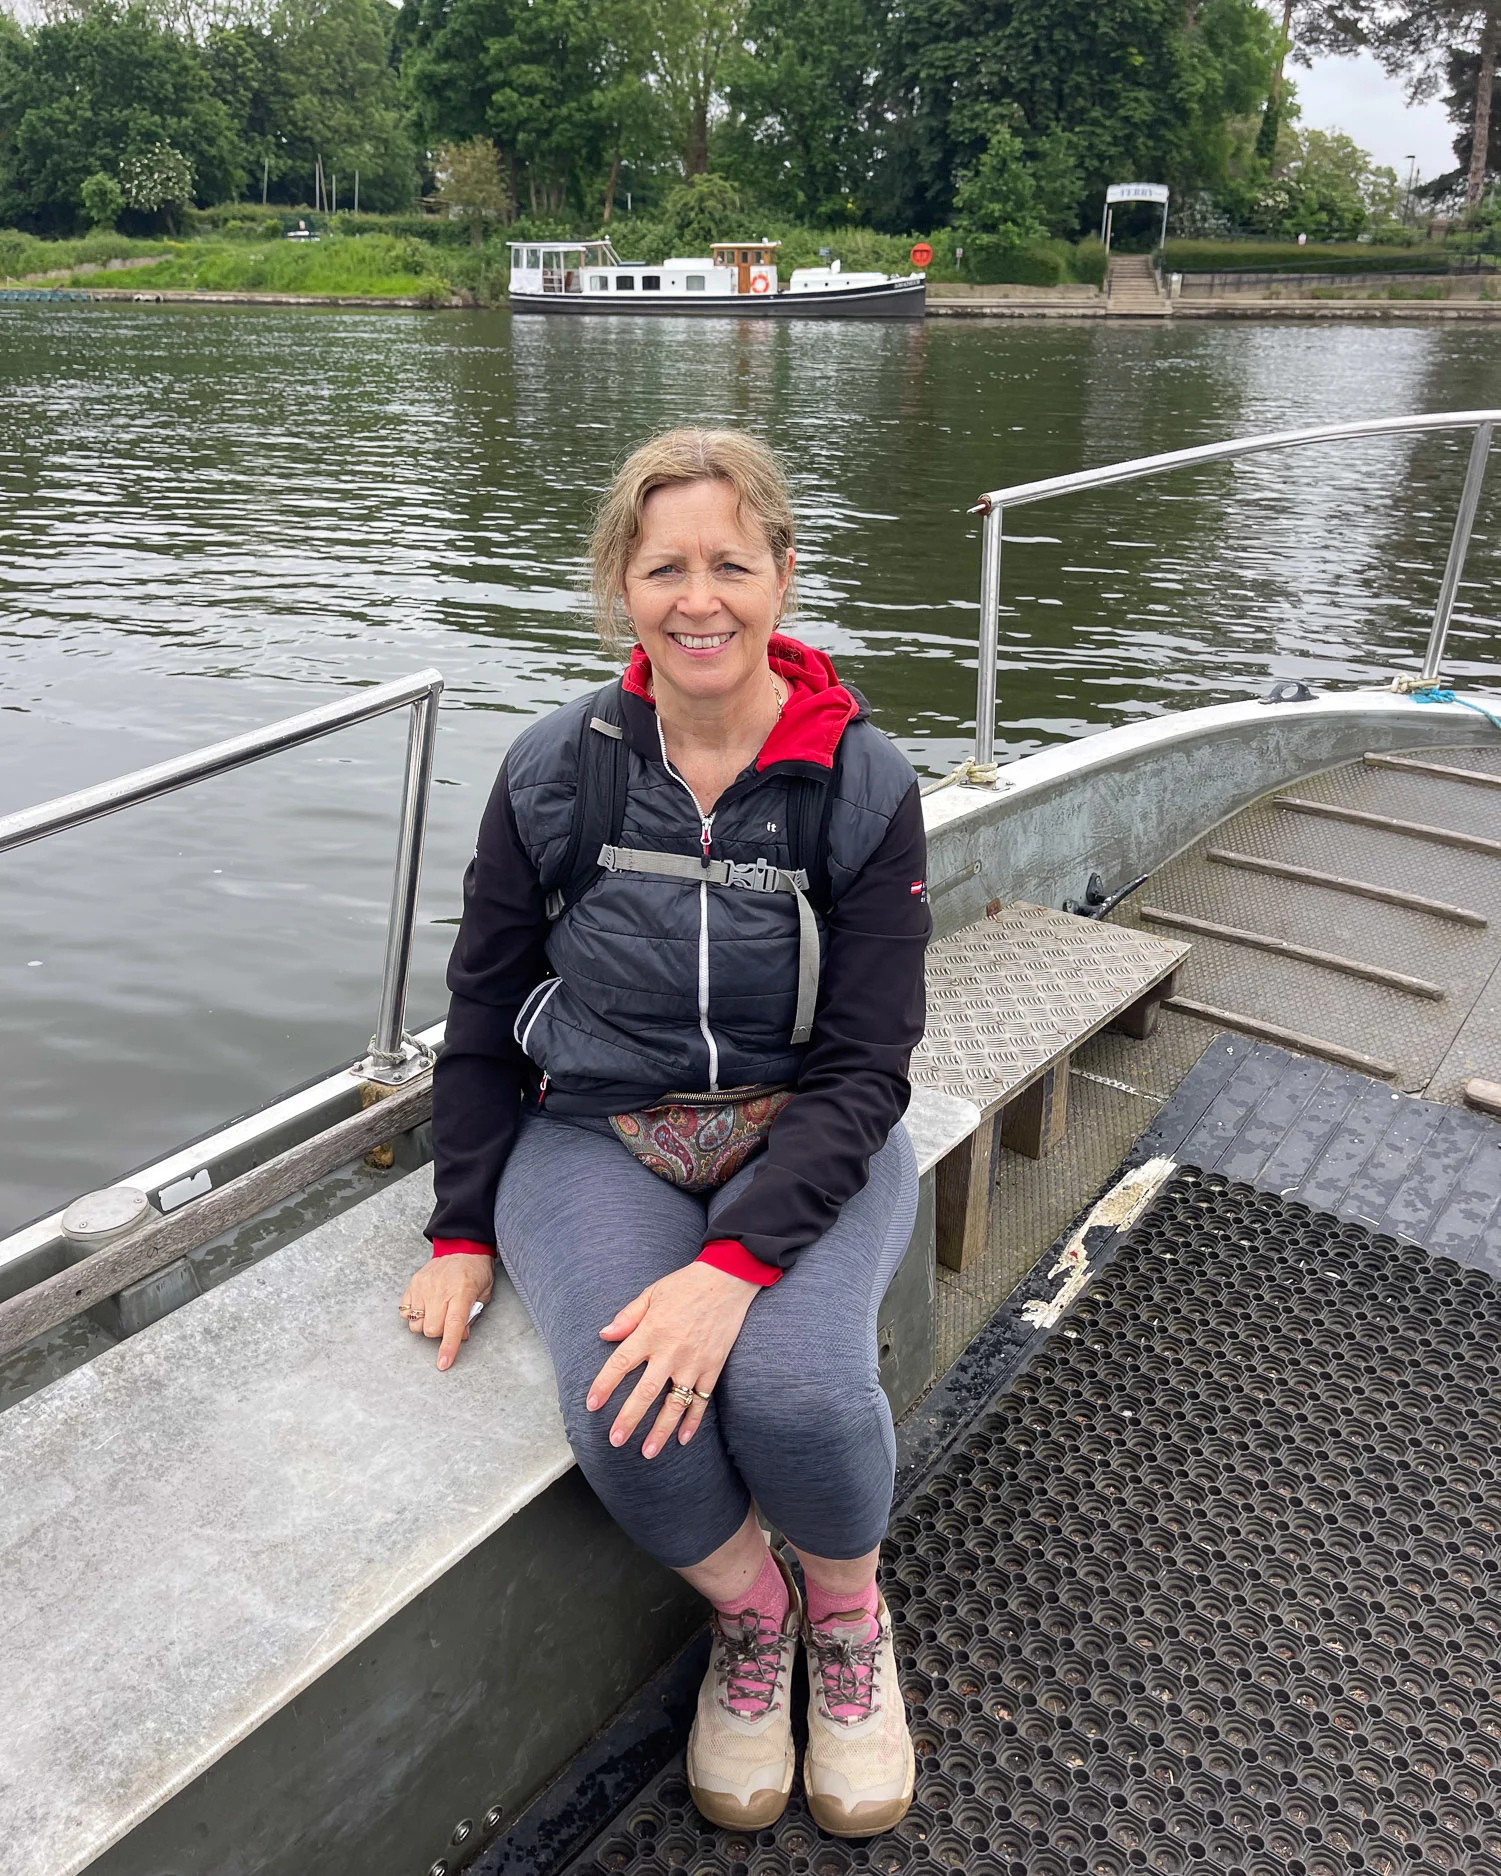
<point x="750" y="1662"/>
<point x="847" y="1669"/>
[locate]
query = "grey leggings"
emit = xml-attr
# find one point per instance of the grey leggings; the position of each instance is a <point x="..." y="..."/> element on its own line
<point x="798" y="1421"/>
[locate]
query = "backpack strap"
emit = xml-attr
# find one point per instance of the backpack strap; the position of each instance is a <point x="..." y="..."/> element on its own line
<point x="810" y="804"/>
<point x="598" y="802"/>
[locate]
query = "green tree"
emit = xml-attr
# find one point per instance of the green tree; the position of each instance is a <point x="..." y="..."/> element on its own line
<point x="692" y="45"/>
<point x="998" y="196"/>
<point x="157" y="181"/>
<point x="472" y="185"/>
<point x="93" y="92"/>
<point x="102" y="199"/>
<point x="248" y="72"/>
<point x="559" y="85"/>
<point x="1140" y="89"/>
<point x="802" y="97"/>
<point x="700" y="210"/>
<point x="340" y="100"/>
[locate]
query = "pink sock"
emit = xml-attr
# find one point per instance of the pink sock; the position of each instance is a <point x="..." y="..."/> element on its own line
<point x="767" y="1596"/>
<point x="825" y="1603"/>
<point x="852" y="1618"/>
<point x="761" y="1608"/>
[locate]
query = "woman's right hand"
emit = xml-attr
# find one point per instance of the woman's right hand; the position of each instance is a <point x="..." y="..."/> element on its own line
<point x="437" y="1302"/>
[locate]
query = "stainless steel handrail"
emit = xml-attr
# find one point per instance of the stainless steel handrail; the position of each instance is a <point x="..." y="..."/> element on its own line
<point x="394" y="1056"/>
<point x="993" y="506"/>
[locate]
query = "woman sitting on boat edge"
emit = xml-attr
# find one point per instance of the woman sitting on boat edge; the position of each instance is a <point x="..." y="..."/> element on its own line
<point x="754" y="931"/>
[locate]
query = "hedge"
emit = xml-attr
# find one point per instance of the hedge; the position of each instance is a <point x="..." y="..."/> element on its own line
<point x="1328" y="257"/>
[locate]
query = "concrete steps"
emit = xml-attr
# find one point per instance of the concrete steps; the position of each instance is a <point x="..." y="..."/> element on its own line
<point x="1132" y="288"/>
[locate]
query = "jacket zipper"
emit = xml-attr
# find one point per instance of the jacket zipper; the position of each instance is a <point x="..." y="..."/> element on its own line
<point x="541" y="993"/>
<point x="705" y="836"/>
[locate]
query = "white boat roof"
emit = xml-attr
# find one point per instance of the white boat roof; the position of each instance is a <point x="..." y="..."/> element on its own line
<point x="690" y="260"/>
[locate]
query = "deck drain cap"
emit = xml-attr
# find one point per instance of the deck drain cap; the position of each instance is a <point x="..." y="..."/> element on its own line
<point x="98" y="1217"/>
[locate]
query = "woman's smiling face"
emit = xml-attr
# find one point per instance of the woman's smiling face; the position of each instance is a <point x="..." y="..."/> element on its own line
<point x="703" y="590"/>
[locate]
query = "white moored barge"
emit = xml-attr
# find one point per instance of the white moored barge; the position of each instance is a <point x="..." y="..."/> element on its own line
<point x="739" y="278"/>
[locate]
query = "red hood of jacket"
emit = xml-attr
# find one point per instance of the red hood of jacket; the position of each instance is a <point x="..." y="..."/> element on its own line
<point x="818" y="710"/>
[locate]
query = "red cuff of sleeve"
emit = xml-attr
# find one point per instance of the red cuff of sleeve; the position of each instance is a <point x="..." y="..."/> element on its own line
<point x="731" y="1256"/>
<point x="461" y="1247"/>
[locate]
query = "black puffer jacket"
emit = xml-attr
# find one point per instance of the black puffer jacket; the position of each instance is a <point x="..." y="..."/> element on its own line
<point x="649" y="985"/>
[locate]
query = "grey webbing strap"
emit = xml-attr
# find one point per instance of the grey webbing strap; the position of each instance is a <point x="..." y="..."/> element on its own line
<point x="607" y="729"/>
<point x="749" y="876"/>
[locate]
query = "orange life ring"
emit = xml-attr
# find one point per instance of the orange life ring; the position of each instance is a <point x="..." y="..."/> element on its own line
<point x="922" y="254"/>
<point x="760" y="284"/>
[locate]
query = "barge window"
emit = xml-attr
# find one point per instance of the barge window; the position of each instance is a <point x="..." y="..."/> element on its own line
<point x="695" y="283"/>
<point x="534" y="257"/>
<point x="599" y="284"/>
<point x="651" y="283"/>
<point x="625" y="283"/>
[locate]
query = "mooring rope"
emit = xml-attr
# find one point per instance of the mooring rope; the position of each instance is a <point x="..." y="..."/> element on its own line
<point x="976" y="774"/>
<point x="1435" y="694"/>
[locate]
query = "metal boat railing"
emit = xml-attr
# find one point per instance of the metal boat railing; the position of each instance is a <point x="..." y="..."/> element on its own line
<point x="394" y="1056"/>
<point x="994" y="505"/>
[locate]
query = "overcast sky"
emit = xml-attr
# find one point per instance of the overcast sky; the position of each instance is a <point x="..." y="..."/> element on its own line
<point x="1356" y="96"/>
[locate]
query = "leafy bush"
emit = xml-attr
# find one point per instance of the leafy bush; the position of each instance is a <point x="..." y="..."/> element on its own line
<point x="995" y="259"/>
<point x="1089" y="261"/>
<point x="699" y="211"/>
<point x="102" y="199"/>
<point x="996" y="201"/>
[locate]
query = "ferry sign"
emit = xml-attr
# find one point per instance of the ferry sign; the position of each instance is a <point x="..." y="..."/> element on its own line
<point x="1136" y="192"/>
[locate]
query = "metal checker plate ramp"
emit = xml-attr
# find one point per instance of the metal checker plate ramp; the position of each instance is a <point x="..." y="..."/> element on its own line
<point x="1214" y="1586"/>
<point x="1007" y="996"/>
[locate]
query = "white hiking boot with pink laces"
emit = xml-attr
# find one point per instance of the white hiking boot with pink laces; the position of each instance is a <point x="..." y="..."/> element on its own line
<point x="740" y="1753"/>
<point x="860" y="1767"/>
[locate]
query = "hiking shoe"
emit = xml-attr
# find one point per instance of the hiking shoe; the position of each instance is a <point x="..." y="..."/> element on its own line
<point x="740" y="1755"/>
<point x="860" y="1767"/>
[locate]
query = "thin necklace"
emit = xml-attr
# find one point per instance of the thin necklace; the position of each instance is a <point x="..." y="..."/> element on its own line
<point x="780" y="695"/>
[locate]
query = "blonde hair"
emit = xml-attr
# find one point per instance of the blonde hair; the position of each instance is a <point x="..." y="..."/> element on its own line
<point x="677" y="456"/>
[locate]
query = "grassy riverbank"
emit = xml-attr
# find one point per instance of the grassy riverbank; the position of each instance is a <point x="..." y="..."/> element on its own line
<point x="371" y="266"/>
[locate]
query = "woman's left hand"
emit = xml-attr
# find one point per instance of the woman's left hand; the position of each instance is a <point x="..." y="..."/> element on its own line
<point x="683" y="1327"/>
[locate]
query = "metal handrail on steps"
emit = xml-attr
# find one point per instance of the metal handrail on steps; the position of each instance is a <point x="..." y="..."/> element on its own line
<point x="994" y="505"/>
<point x="394" y="1057"/>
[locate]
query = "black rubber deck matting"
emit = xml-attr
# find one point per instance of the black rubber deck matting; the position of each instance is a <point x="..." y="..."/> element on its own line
<point x="1341" y="1143"/>
<point x="1214" y="1585"/>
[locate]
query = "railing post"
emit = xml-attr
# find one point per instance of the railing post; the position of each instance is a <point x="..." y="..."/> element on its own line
<point x="990" y="634"/>
<point x="1469" y="501"/>
<point x="394" y="1056"/>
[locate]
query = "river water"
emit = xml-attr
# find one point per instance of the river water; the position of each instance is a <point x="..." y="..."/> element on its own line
<point x="211" y="518"/>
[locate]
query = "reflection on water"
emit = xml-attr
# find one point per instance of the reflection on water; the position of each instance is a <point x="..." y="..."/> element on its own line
<point x="210" y="518"/>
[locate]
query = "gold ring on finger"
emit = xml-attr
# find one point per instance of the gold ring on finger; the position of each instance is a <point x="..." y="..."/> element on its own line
<point x="682" y="1394"/>
<point x="699" y="1394"/>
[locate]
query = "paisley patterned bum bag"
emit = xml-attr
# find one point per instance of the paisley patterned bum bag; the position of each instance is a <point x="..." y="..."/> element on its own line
<point x="699" y="1141"/>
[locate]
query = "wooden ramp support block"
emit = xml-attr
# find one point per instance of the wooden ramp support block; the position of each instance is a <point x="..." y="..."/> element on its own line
<point x="965" y="1183"/>
<point x="1484" y="1096"/>
<point x="1140" y="1020"/>
<point x="1033" y="1121"/>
